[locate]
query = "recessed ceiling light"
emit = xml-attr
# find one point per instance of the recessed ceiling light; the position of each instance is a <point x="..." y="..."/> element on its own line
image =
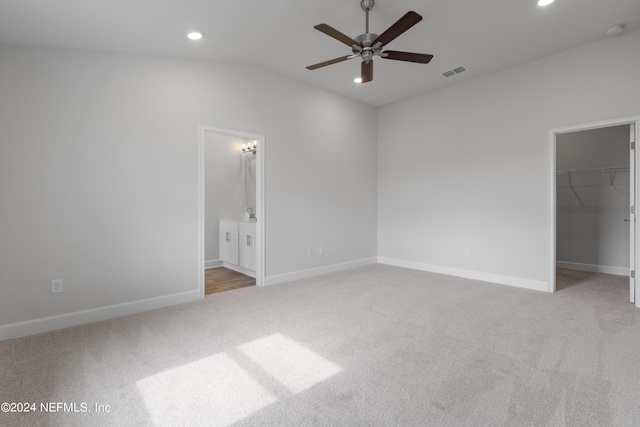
<point x="357" y="80"/>
<point x="544" y="2"/>
<point x="195" y="35"/>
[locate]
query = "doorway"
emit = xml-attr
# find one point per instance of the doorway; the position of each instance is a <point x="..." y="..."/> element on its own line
<point x="228" y="152"/>
<point x="222" y="279"/>
<point x="592" y="187"/>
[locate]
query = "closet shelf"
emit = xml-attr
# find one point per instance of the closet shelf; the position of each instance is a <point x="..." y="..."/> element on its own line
<point x="611" y="171"/>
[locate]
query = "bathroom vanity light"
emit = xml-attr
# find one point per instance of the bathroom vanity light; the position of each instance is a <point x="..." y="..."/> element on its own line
<point x="249" y="148"/>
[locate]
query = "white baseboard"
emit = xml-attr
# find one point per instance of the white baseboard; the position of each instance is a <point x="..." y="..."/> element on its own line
<point x="51" y="323"/>
<point x="212" y="263"/>
<point x="536" y="285"/>
<point x="303" y="274"/>
<point x="606" y="269"/>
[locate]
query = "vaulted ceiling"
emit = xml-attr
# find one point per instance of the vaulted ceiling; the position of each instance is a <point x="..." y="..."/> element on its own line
<point x="278" y="35"/>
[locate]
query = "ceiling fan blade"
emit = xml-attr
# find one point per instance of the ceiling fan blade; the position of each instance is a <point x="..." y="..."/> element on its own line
<point x="330" y="62"/>
<point x="403" y="24"/>
<point x="421" y="58"/>
<point x="332" y="32"/>
<point x="367" y="71"/>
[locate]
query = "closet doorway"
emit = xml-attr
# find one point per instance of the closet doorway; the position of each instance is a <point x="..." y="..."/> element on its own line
<point x="593" y="201"/>
<point x="231" y="212"/>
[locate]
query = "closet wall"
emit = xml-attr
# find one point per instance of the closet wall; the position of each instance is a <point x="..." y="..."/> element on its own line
<point x="593" y="200"/>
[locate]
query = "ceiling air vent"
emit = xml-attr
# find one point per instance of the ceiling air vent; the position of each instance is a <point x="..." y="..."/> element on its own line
<point x="453" y="72"/>
<point x="378" y="100"/>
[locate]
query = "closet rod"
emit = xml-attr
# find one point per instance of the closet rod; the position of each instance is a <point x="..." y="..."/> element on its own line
<point x="595" y="170"/>
<point x="611" y="171"/>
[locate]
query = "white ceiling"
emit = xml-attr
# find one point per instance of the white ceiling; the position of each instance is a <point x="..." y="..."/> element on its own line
<point x="483" y="36"/>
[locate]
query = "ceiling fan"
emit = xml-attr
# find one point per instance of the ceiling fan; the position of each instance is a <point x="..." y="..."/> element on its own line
<point x="368" y="45"/>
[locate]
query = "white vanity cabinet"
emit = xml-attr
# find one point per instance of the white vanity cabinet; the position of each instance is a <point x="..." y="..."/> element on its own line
<point x="229" y="242"/>
<point x="238" y="245"/>
<point x="247" y="243"/>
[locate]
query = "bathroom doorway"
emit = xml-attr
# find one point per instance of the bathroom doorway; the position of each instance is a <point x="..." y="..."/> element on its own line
<point x="231" y="194"/>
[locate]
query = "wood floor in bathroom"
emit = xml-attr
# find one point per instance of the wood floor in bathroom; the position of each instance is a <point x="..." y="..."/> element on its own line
<point x="222" y="279"/>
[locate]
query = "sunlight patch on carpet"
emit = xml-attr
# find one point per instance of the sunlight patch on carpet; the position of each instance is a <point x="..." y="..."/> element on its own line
<point x="214" y="389"/>
<point x="290" y="363"/>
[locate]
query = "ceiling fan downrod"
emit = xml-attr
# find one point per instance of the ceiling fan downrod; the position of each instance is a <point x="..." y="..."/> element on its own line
<point x="367" y="5"/>
<point x="365" y="49"/>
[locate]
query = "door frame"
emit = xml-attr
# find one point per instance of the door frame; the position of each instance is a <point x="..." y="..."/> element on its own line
<point x="628" y="120"/>
<point x="260" y="198"/>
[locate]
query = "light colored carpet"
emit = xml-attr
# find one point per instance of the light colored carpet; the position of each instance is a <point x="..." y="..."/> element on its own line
<point x="374" y="346"/>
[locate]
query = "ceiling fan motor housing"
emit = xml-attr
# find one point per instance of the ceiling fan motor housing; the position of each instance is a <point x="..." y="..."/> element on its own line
<point x="366" y="40"/>
<point x="365" y="49"/>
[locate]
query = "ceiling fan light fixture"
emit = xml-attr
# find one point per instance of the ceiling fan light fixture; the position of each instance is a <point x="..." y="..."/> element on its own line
<point x="357" y="80"/>
<point x="195" y="35"/>
<point x="545" y="2"/>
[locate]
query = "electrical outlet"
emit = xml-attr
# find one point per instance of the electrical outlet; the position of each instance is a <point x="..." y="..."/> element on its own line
<point x="308" y="251"/>
<point x="56" y="286"/>
<point x="242" y="203"/>
<point x="467" y="253"/>
<point x="321" y="250"/>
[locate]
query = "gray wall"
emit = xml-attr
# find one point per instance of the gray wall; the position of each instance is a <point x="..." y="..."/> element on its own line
<point x="590" y="232"/>
<point x="99" y="175"/>
<point x="99" y="169"/>
<point x="467" y="167"/>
